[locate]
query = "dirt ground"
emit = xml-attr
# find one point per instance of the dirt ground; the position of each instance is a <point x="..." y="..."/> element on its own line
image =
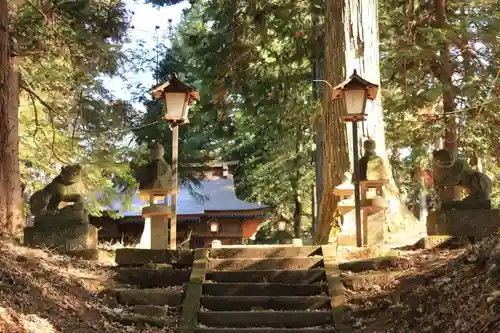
<point x="42" y="292"/>
<point x="436" y="291"/>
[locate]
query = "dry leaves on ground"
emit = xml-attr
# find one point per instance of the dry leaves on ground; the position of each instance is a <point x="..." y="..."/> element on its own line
<point x="42" y="292"/>
<point x="442" y="291"/>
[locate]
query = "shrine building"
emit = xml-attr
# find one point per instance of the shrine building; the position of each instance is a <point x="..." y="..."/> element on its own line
<point x="206" y="211"/>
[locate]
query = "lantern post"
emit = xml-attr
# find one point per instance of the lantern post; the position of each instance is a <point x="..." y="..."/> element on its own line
<point x="355" y="92"/>
<point x="177" y="99"/>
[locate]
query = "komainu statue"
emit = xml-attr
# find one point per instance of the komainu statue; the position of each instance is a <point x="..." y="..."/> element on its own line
<point x="371" y="166"/>
<point x="64" y="188"/>
<point x="157" y="174"/>
<point x="450" y="171"/>
<point x="61" y="228"/>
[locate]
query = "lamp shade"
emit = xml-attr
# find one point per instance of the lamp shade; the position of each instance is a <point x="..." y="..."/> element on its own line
<point x="355" y="101"/>
<point x="177" y="106"/>
<point x="354" y="92"/>
<point x="177" y="99"/>
<point x="214" y="226"/>
<point x="281" y="225"/>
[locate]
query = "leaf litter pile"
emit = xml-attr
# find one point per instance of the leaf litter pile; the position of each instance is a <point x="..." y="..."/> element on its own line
<point x="42" y="292"/>
<point x="437" y="291"/>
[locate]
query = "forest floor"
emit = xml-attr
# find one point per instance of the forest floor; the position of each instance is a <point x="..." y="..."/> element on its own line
<point x="42" y="292"/>
<point x="437" y="291"/>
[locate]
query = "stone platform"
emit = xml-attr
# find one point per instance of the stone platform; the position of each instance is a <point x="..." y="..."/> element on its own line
<point x="477" y="223"/>
<point x="73" y="238"/>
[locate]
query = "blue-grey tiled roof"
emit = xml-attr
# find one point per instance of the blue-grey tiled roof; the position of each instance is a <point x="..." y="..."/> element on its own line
<point x="211" y="195"/>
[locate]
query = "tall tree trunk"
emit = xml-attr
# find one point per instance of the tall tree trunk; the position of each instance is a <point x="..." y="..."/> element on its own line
<point x="4" y="109"/>
<point x="335" y="159"/>
<point x="297" y="216"/>
<point x="351" y="42"/>
<point x="318" y="157"/>
<point x="11" y="209"/>
<point x="297" y="213"/>
<point x="445" y="76"/>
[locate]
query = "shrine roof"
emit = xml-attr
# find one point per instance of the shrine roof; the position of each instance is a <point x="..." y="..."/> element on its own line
<point x="209" y="196"/>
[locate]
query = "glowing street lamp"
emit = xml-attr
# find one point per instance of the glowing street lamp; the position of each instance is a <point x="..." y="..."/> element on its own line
<point x="214" y="227"/>
<point x="281" y="225"/>
<point x="355" y="92"/>
<point x="177" y="99"/>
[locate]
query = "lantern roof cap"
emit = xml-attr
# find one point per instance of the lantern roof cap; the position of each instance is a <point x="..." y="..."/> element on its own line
<point x="174" y="85"/>
<point x="356" y="81"/>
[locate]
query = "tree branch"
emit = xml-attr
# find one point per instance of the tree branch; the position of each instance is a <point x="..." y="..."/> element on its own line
<point x="51" y="116"/>
<point x="34" y="94"/>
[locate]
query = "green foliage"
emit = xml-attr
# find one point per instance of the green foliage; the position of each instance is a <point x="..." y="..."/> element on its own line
<point x="413" y="87"/>
<point x="251" y="65"/>
<point x="66" y="114"/>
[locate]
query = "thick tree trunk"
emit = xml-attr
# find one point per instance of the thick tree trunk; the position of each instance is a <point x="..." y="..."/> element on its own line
<point x="297" y="213"/>
<point x="445" y="76"/>
<point x="318" y="139"/>
<point x="335" y="159"/>
<point x="4" y="109"/>
<point x="351" y="42"/>
<point x="11" y="209"/>
<point x="297" y="217"/>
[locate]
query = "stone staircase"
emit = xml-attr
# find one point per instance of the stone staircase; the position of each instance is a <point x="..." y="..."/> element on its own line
<point x="244" y="289"/>
<point x="149" y="286"/>
<point x="261" y="290"/>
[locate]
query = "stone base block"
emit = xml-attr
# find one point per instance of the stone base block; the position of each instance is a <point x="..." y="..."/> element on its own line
<point x="477" y="223"/>
<point x="90" y="254"/>
<point x="346" y="240"/>
<point x="375" y="228"/>
<point x="441" y="242"/>
<point x="76" y="238"/>
<point x="159" y="232"/>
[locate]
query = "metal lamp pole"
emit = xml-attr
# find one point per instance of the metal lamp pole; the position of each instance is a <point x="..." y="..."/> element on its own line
<point x="175" y="177"/>
<point x="177" y="98"/>
<point x="357" y="192"/>
<point x="354" y="92"/>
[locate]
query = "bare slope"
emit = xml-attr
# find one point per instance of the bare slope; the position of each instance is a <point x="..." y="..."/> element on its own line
<point x="41" y="292"/>
<point x="445" y="291"/>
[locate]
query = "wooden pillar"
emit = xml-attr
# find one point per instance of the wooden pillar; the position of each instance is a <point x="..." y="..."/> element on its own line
<point x="175" y="186"/>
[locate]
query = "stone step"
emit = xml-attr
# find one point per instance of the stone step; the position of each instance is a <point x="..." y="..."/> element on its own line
<point x="258" y="264"/>
<point x="265" y="252"/>
<point x="265" y="330"/>
<point x="153" y="296"/>
<point x="358" y="281"/>
<point x="249" y="303"/>
<point x="145" y="277"/>
<point x="275" y="276"/>
<point x="375" y="264"/>
<point x="138" y="257"/>
<point x="278" y="319"/>
<point x="264" y="289"/>
<point x="153" y="315"/>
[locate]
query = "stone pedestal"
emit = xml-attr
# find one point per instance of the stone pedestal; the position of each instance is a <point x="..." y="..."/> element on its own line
<point x="159" y="232"/>
<point x="477" y="223"/>
<point x="159" y="216"/>
<point x="65" y="239"/>
<point x="375" y="229"/>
